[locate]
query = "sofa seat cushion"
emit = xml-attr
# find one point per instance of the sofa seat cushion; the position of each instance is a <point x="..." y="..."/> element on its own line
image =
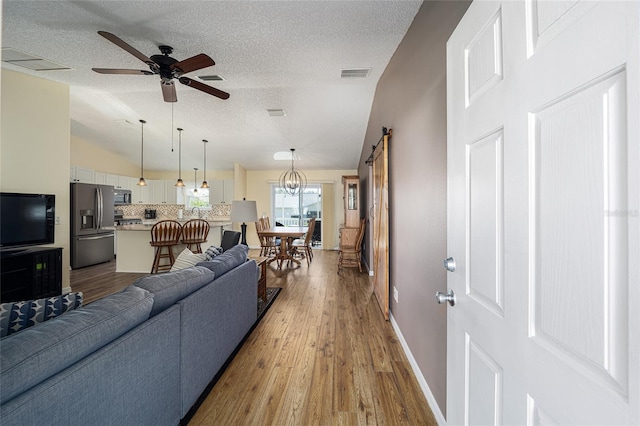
<point x="31" y="356"/>
<point x="17" y="316"/>
<point x="171" y="287"/>
<point x="228" y="260"/>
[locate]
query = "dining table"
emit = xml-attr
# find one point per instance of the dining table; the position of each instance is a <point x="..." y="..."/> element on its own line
<point x="286" y="234"/>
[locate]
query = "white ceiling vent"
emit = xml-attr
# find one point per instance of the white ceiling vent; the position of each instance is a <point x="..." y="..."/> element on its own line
<point x="25" y="60"/>
<point x="355" y="73"/>
<point x="211" y="77"/>
<point x="276" y="112"/>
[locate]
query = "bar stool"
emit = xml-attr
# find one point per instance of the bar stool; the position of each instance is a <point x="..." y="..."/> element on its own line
<point x="164" y="235"/>
<point x="194" y="232"/>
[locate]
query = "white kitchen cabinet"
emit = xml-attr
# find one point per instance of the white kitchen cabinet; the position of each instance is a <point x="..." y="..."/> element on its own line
<point x="171" y="192"/>
<point x="81" y="175"/>
<point x="163" y="191"/>
<point x="221" y="191"/>
<point x="141" y="194"/>
<point x="100" y="178"/>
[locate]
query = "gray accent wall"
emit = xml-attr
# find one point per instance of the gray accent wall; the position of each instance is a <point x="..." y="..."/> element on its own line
<point x="411" y="100"/>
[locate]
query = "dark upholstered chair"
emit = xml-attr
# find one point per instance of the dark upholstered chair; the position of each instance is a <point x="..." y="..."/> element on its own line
<point x="229" y="239"/>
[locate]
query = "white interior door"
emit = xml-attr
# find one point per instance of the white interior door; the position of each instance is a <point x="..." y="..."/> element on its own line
<point x="544" y="188"/>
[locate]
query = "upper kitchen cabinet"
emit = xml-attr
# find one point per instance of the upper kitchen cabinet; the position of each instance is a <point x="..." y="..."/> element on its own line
<point x="100" y="178"/>
<point x="221" y="191"/>
<point x="142" y="194"/>
<point x="121" y="182"/>
<point x="164" y="192"/>
<point x="81" y="175"/>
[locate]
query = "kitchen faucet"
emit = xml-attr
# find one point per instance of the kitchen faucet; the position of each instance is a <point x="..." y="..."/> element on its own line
<point x="199" y="213"/>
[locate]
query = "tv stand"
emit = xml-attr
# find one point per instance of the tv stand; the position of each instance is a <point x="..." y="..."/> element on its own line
<point x="30" y="273"/>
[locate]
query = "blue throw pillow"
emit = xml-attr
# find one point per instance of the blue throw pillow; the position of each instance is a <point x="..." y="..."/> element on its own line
<point x="17" y="316"/>
<point x="228" y="260"/>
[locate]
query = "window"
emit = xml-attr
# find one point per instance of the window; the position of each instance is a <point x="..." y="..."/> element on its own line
<point x="194" y="196"/>
<point x="298" y="209"/>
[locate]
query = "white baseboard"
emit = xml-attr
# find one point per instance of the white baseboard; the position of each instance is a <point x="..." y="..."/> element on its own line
<point x="435" y="408"/>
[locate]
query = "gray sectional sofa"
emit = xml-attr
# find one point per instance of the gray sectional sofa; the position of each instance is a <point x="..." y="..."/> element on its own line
<point x="142" y="356"/>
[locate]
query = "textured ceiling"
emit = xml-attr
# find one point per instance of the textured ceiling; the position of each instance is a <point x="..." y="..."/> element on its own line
<point x="272" y="54"/>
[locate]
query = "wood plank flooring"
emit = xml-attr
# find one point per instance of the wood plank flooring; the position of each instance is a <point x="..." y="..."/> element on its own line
<point x="322" y="355"/>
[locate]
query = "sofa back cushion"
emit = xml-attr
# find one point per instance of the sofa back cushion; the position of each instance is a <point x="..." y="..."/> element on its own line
<point x="171" y="287"/>
<point x="31" y="356"/>
<point x="228" y="260"/>
<point x="17" y="316"/>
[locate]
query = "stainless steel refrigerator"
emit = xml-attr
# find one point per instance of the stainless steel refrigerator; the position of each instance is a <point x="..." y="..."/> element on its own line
<point x="92" y="225"/>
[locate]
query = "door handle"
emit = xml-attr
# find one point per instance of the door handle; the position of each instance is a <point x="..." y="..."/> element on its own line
<point x="450" y="264"/>
<point x="446" y="297"/>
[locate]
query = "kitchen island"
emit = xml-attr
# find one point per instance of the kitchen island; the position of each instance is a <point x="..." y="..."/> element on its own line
<point x="135" y="254"/>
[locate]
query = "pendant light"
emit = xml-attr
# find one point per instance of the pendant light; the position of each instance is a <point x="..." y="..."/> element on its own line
<point x="141" y="182"/>
<point x="179" y="182"/>
<point x="204" y="182"/>
<point x="293" y="181"/>
<point x="195" y="180"/>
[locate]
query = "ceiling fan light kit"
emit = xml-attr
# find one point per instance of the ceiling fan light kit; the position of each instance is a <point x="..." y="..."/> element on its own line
<point x="166" y="67"/>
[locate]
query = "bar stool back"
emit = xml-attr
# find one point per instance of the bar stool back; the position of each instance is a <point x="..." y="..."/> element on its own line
<point x="164" y="235"/>
<point x="194" y="233"/>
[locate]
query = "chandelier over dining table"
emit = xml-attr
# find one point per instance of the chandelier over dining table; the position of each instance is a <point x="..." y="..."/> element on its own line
<point x="293" y="181"/>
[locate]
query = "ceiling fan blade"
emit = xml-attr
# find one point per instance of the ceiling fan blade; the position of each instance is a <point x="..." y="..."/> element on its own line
<point x="169" y="91"/>
<point x="194" y="63"/>
<point x="203" y="87"/>
<point x="124" y="45"/>
<point x="121" y="71"/>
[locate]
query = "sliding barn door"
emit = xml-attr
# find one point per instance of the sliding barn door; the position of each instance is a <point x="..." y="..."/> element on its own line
<point x="381" y="225"/>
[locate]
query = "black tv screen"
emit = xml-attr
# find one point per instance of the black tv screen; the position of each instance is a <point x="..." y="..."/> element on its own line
<point x="26" y="219"/>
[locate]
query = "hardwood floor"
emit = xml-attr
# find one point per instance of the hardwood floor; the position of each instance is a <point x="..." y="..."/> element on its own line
<point x="322" y="355"/>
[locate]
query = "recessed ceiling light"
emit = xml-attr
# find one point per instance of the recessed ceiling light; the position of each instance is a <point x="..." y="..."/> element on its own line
<point x="355" y="73"/>
<point x="211" y="77"/>
<point x="277" y="113"/>
<point x="26" y="60"/>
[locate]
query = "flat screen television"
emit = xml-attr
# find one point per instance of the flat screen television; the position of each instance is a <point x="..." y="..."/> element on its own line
<point x="26" y="219"/>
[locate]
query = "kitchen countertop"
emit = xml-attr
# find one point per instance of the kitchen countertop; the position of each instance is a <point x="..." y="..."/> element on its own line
<point x="148" y="224"/>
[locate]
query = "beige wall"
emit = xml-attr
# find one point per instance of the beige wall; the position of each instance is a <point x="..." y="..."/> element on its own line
<point x="34" y="146"/>
<point x="411" y="100"/>
<point x="84" y="154"/>
<point x="259" y="189"/>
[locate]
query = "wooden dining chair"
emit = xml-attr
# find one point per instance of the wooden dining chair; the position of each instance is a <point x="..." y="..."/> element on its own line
<point x="349" y="254"/>
<point x="194" y="233"/>
<point x="303" y="247"/>
<point x="164" y="235"/>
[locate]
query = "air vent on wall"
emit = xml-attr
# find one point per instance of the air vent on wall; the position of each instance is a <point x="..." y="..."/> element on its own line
<point x="355" y="73"/>
<point x="26" y="60"/>
<point x="211" y="77"/>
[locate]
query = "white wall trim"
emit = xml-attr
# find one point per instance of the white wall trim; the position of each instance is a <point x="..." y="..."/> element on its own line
<point x="435" y="408"/>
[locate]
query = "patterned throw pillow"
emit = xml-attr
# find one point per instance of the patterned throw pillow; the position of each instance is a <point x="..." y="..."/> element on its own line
<point x="17" y="316"/>
<point x="187" y="259"/>
<point x="212" y="252"/>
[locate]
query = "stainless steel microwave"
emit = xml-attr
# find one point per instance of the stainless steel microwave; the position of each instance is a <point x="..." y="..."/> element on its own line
<point x="121" y="196"/>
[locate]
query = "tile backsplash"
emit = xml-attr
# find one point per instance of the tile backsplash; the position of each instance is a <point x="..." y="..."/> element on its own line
<point x="170" y="211"/>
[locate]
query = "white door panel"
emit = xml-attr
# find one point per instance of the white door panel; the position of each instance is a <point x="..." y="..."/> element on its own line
<point x="543" y="222"/>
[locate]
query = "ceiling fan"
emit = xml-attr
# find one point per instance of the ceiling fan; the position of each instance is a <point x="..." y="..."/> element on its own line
<point x="167" y="67"/>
